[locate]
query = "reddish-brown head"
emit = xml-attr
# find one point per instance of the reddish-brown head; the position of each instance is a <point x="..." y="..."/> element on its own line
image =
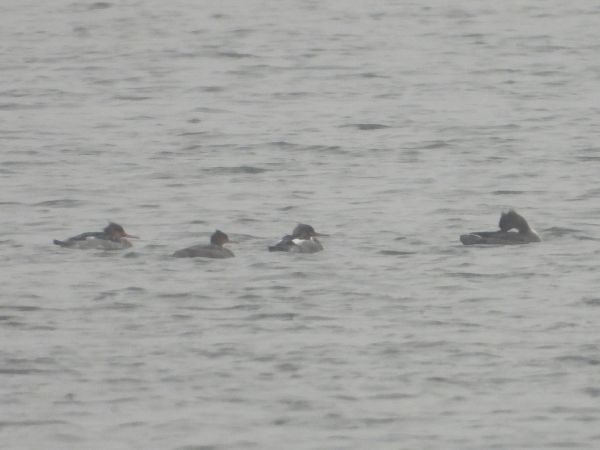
<point x="219" y="238"/>
<point x="116" y="232"/>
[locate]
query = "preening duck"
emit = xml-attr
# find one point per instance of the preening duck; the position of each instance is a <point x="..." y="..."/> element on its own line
<point x="508" y="221"/>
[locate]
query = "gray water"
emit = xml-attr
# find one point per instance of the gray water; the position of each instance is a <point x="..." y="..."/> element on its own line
<point x="395" y="126"/>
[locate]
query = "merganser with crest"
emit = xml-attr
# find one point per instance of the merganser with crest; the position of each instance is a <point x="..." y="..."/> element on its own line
<point x="508" y="221"/>
<point x="213" y="250"/>
<point x="111" y="238"/>
<point x="302" y="240"/>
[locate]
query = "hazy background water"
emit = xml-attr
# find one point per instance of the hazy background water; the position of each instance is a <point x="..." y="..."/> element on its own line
<point x="393" y="125"/>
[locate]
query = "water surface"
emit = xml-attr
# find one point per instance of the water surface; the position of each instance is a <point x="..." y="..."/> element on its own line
<point x="393" y="126"/>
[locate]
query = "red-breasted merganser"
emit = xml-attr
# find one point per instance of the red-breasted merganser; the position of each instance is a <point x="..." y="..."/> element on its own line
<point x="302" y="240"/>
<point x="111" y="238"/>
<point x="508" y="221"/>
<point x="214" y="250"/>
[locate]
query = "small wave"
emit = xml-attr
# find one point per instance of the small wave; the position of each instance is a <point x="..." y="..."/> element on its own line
<point x="586" y="238"/>
<point x="134" y="289"/>
<point x="122" y="306"/>
<point x="280" y="316"/>
<point x="336" y="149"/>
<point x="284" y="95"/>
<point x="594" y="301"/>
<point x="176" y="295"/>
<point x="249" y="297"/>
<point x="60" y="203"/>
<point x="23" y="308"/>
<point x="132" y="424"/>
<point x="559" y="231"/>
<point x="279" y="287"/>
<point x="99" y="5"/>
<point x="241" y="307"/>
<point x="198" y="447"/>
<point x="592" y="391"/>
<point x="118" y="292"/>
<point x="474" y="275"/>
<point x="213" y="89"/>
<point x="579" y="360"/>
<point x="283" y="144"/>
<point x="164" y="154"/>
<point x="236" y="55"/>
<point x="29" y="423"/>
<point x="299" y="275"/>
<point x="106" y="294"/>
<point x="507" y="192"/>
<point x="367" y="126"/>
<point x="372" y="75"/>
<point x="236" y="170"/>
<point x="24" y="163"/>
<point x="132" y="97"/>
<point x="396" y="253"/>
<point x="315" y="318"/>
<point x="435" y="144"/>
<point x="15" y="106"/>
<point x="589" y="158"/>
<point x="9" y="371"/>
<point x="192" y="133"/>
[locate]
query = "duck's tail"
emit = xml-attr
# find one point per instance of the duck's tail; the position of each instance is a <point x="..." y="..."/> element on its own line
<point x="59" y="243"/>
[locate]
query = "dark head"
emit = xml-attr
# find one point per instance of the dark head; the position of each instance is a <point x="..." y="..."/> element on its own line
<point x="304" y="231"/>
<point x="115" y="231"/>
<point x="510" y="220"/>
<point x="219" y="238"/>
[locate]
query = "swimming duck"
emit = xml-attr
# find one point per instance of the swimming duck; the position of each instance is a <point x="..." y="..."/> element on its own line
<point x="508" y="221"/>
<point x="302" y="240"/>
<point x="213" y="250"/>
<point x="111" y="238"/>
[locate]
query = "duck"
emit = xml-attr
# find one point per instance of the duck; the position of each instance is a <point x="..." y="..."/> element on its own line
<point x="302" y="240"/>
<point x="112" y="237"/>
<point x="213" y="250"/>
<point x="508" y="221"/>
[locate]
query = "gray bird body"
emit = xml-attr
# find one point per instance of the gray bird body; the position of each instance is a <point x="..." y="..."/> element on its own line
<point x="213" y="250"/>
<point x="204" y="251"/>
